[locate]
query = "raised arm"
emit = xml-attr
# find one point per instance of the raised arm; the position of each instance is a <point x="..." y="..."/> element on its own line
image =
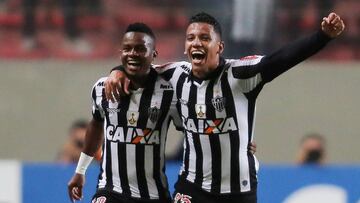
<point x="288" y="56"/>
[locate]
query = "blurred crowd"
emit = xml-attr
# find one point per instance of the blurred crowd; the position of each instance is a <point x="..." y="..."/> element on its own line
<point x="91" y="29"/>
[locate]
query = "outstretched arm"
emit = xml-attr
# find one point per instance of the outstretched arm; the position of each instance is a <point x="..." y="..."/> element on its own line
<point x="285" y="58"/>
<point x="93" y="140"/>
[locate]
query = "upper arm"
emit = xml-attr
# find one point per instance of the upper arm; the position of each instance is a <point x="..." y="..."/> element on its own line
<point x="247" y="72"/>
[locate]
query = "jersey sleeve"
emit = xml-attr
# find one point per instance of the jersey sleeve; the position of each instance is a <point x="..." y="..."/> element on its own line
<point x="290" y="55"/>
<point x="262" y="69"/>
<point x="96" y="97"/>
<point x="246" y="73"/>
<point x="171" y="71"/>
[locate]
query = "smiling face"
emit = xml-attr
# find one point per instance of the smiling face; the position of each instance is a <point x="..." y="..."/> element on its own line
<point x="137" y="53"/>
<point x="203" y="47"/>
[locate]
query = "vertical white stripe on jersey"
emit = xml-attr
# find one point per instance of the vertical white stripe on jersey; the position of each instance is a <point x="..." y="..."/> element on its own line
<point x="205" y="142"/>
<point x="131" y="149"/>
<point x="242" y="120"/>
<point x="149" y="150"/>
<point x="207" y="161"/>
<point x="115" y="167"/>
<point x="192" y="158"/>
<point x="185" y="112"/>
<point x="149" y="168"/>
<point x="132" y="175"/>
<point x="225" y="147"/>
<point x="113" y="119"/>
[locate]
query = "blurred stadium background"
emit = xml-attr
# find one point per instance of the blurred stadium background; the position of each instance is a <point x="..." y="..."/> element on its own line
<point x="48" y="67"/>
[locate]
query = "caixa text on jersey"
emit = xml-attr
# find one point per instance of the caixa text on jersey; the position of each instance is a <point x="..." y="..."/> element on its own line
<point x="206" y="126"/>
<point x="132" y="135"/>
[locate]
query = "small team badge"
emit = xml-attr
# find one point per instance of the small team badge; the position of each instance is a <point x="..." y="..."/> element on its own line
<point x="200" y="110"/>
<point x="218" y="103"/>
<point x="153" y="113"/>
<point x="132" y="118"/>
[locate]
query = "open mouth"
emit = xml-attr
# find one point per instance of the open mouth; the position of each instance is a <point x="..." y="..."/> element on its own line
<point x="134" y="63"/>
<point x="197" y="56"/>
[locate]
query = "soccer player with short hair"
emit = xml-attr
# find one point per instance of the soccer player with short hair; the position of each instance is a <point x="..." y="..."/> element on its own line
<point x="216" y="100"/>
<point x="135" y="129"/>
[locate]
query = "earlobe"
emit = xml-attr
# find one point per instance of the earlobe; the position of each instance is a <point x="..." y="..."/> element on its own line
<point x="221" y="47"/>
<point x="155" y="54"/>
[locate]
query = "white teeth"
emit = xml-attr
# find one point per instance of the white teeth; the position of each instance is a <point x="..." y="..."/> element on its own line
<point x="133" y="62"/>
<point x="197" y="52"/>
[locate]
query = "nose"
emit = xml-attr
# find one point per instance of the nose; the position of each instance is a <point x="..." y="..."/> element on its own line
<point x="196" y="42"/>
<point x="133" y="52"/>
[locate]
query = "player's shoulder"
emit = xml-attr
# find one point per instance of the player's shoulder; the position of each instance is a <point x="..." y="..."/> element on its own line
<point x="100" y="83"/>
<point x="245" y="61"/>
<point x="183" y="65"/>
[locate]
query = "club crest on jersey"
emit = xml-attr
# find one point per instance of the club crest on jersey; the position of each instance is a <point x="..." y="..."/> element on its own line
<point x="218" y="103"/>
<point x="132" y="118"/>
<point x="200" y="110"/>
<point x="153" y="113"/>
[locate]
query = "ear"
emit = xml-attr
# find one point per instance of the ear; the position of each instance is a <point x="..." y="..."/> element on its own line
<point x="221" y="47"/>
<point x="155" y="53"/>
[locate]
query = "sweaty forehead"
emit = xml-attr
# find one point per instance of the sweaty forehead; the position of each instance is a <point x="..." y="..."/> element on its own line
<point x="137" y="38"/>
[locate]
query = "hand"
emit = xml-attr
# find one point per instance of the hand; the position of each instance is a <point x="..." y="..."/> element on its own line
<point x="75" y="186"/>
<point x="332" y="25"/>
<point x="116" y="85"/>
<point x="252" y="147"/>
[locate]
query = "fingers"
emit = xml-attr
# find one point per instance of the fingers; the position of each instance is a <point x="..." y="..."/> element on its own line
<point x="75" y="193"/>
<point x="109" y="90"/>
<point x="252" y="147"/>
<point x="127" y="86"/>
<point x="332" y="25"/>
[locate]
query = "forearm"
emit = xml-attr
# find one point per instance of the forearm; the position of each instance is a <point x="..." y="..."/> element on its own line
<point x="93" y="137"/>
<point x="292" y="54"/>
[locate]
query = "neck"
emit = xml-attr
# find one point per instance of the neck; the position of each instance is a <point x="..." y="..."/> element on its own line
<point x="204" y="72"/>
<point x="138" y="81"/>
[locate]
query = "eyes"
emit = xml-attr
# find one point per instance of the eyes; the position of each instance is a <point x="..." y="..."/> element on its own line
<point x="203" y="37"/>
<point x="137" y="48"/>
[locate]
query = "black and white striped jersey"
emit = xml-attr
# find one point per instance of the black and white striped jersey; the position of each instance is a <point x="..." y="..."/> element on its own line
<point x="135" y="132"/>
<point x="218" y="114"/>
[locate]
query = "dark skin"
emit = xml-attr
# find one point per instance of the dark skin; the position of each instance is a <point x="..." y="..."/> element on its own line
<point x="137" y="53"/>
<point x="93" y="141"/>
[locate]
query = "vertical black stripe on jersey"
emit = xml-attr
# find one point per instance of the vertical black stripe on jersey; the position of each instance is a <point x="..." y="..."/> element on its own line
<point x="214" y="142"/>
<point x="165" y="106"/>
<point x="251" y="96"/>
<point x="179" y="87"/>
<point x="196" y="139"/>
<point x="145" y="101"/>
<point x="234" y="135"/>
<point x="108" y="170"/>
<point x="122" y="120"/>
